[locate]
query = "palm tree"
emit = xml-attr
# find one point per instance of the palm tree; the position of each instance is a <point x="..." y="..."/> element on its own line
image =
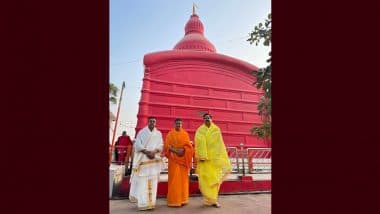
<point x="113" y="93"/>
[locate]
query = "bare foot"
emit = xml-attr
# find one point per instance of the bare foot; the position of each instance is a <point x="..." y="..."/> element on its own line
<point x="217" y="205"/>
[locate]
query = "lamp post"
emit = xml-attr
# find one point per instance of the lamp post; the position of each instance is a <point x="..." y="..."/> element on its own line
<point x="242" y="156"/>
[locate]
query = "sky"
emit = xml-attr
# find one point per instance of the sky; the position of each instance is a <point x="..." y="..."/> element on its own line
<point x="138" y="27"/>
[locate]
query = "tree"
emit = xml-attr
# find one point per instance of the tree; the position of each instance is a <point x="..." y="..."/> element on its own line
<point x="113" y="93"/>
<point x="263" y="32"/>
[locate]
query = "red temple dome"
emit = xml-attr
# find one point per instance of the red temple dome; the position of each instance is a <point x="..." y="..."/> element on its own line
<point x="192" y="79"/>
<point x="194" y="37"/>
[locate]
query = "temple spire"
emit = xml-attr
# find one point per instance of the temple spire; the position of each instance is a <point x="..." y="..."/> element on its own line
<point x="194" y="6"/>
<point x="194" y="38"/>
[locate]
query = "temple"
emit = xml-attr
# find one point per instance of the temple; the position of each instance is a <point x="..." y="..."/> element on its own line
<point x="192" y="79"/>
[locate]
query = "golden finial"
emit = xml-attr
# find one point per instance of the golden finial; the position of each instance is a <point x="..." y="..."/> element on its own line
<point x="194" y="6"/>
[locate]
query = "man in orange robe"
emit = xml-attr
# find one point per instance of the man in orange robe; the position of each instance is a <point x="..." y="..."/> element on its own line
<point x="179" y="151"/>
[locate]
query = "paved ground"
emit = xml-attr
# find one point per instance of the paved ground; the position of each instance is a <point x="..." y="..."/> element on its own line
<point x="247" y="203"/>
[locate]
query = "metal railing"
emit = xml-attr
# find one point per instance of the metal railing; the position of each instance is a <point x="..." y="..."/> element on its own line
<point x="259" y="160"/>
<point x="234" y="158"/>
<point x="249" y="160"/>
<point x="256" y="160"/>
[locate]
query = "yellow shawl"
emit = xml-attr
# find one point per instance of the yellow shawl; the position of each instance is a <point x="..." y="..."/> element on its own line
<point x="209" y="146"/>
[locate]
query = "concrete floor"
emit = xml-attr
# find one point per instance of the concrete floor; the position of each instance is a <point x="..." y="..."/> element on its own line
<point x="247" y="203"/>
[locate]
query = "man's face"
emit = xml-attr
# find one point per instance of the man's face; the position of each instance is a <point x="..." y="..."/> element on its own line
<point x="207" y="120"/>
<point x="178" y="124"/>
<point x="151" y="123"/>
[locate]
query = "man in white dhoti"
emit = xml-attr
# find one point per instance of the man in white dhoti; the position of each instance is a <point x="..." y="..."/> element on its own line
<point x="146" y="167"/>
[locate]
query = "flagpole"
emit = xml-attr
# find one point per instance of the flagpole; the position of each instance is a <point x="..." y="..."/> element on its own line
<point x="194" y="6"/>
<point x="116" y="120"/>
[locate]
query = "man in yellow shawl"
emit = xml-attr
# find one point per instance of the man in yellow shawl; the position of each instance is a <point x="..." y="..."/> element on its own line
<point x="179" y="151"/>
<point x="213" y="164"/>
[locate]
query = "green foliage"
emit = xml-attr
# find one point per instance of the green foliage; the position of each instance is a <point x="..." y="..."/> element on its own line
<point x="263" y="32"/>
<point x="113" y="93"/>
<point x="264" y="131"/>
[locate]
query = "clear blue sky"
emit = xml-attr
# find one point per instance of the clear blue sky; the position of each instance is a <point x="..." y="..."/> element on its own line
<point x="138" y="27"/>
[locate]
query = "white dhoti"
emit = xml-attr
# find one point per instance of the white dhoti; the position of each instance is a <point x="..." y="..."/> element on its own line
<point x="144" y="191"/>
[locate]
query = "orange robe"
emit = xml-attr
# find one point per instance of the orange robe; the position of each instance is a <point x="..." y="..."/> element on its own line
<point x="179" y="167"/>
